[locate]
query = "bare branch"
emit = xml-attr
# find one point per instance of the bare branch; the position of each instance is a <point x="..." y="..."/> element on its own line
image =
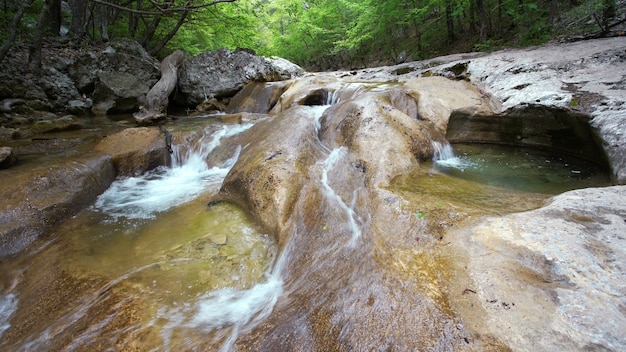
<point x="162" y="10"/>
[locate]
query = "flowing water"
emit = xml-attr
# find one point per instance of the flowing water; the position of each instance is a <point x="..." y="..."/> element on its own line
<point x="520" y="169"/>
<point x="191" y="277"/>
<point x="152" y="239"/>
<point x="354" y="221"/>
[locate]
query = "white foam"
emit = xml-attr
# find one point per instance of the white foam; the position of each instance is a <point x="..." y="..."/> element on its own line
<point x="8" y="306"/>
<point x="229" y="309"/>
<point x="444" y="157"/>
<point x="144" y="196"/>
<point x="354" y="220"/>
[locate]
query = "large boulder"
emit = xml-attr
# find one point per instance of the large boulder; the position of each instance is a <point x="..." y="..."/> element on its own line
<point x="257" y="97"/>
<point x="581" y="78"/>
<point x="222" y="73"/>
<point x="7" y="157"/>
<point x="49" y="91"/>
<point x="115" y="77"/>
<point x="550" y="279"/>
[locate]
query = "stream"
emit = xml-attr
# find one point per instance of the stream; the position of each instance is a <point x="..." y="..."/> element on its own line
<point x="150" y="266"/>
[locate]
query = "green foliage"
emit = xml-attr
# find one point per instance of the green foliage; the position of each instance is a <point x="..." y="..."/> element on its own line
<point x="489" y="45"/>
<point x="28" y="23"/>
<point x="324" y="34"/>
<point x="228" y="25"/>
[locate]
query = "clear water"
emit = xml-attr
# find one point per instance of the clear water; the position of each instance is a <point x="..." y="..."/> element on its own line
<point x="191" y="268"/>
<point x="520" y="169"/>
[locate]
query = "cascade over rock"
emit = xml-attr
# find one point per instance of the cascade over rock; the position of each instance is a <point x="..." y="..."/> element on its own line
<point x="135" y="150"/>
<point x="374" y="136"/>
<point x="370" y="266"/>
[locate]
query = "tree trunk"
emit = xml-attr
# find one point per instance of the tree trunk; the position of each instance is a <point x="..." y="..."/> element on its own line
<point x="554" y="11"/>
<point x="133" y="21"/>
<point x="79" y="17"/>
<point x="449" y="20"/>
<point x="55" y="16"/>
<point x="482" y="14"/>
<point x="472" y="18"/>
<point x="8" y="43"/>
<point x="150" y="30"/>
<point x="153" y="106"/>
<point x="34" y="51"/>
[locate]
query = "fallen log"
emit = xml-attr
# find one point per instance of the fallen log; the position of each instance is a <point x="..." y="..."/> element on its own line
<point x="153" y="106"/>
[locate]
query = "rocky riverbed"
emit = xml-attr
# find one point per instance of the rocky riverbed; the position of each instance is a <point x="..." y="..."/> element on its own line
<point x="370" y="262"/>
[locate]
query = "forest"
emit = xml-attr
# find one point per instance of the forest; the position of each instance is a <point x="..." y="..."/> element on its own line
<point x="316" y="34"/>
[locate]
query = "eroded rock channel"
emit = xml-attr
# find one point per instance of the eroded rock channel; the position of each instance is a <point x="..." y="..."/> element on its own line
<point x="323" y="223"/>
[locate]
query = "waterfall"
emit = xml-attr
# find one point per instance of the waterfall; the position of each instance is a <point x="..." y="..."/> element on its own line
<point x="332" y="98"/>
<point x="163" y="188"/>
<point x="444" y="157"/>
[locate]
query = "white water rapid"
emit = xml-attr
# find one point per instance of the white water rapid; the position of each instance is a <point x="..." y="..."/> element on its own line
<point x="229" y="311"/>
<point x="141" y="197"/>
<point x="444" y="157"/>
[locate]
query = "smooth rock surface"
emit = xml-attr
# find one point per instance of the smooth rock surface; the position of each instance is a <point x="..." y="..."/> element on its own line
<point x="135" y="150"/>
<point x="33" y="203"/>
<point x="552" y="279"/>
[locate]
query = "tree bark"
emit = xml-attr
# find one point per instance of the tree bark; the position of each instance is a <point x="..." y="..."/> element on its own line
<point x="482" y="15"/>
<point x="34" y="51"/>
<point x="155" y="50"/>
<point x="55" y="16"/>
<point x="153" y="106"/>
<point x="449" y="20"/>
<point x="79" y="17"/>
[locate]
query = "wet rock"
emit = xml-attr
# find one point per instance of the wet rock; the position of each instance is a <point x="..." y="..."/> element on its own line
<point x="135" y="150"/>
<point x="9" y="133"/>
<point x="551" y="278"/>
<point x="7" y="157"/>
<point x="300" y="184"/>
<point x="563" y="131"/>
<point x="7" y="105"/>
<point x="267" y="178"/>
<point x="68" y="122"/>
<point x="438" y="98"/>
<point x="218" y="238"/>
<point x="58" y="87"/>
<point x="80" y="106"/>
<point x="312" y="90"/>
<point x="257" y="97"/>
<point x="223" y="73"/>
<point x="34" y="202"/>
<point x="577" y="76"/>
